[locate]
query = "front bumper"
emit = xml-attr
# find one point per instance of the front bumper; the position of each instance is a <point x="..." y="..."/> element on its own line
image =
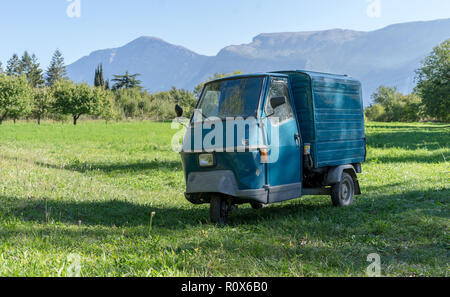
<point x="221" y="182"/>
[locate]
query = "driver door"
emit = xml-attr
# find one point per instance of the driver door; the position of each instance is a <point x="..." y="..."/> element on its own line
<point x="284" y="170"/>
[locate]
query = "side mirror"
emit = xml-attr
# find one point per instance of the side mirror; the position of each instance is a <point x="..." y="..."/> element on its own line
<point x="277" y="101"/>
<point x="178" y="111"/>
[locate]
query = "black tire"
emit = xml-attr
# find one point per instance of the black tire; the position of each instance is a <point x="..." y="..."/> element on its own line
<point x="218" y="210"/>
<point x="258" y="206"/>
<point x="343" y="193"/>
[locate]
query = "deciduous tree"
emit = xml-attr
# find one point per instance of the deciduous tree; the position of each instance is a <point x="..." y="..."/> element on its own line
<point x="15" y="97"/>
<point x="42" y="104"/>
<point x="433" y="82"/>
<point x="392" y="106"/>
<point x="74" y="100"/>
<point x="104" y="107"/>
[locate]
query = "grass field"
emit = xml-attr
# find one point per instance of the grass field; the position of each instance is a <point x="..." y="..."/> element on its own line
<point x="80" y="199"/>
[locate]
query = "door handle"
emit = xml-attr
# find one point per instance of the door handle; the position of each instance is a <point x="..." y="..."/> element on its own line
<point x="298" y="140"/>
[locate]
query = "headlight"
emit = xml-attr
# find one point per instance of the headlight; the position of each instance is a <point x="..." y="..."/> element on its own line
<point x="206" y="160"/>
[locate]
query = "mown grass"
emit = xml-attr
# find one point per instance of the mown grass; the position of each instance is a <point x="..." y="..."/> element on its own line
<point x="89" y="191"/>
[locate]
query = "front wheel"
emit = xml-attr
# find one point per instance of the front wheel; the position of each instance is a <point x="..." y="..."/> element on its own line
<point x="258" y="206"/>
<point x="343" y="193"/>
<point x="218" y="210"/>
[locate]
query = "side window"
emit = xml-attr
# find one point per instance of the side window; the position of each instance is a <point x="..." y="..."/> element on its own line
<point x="279" y="88"/>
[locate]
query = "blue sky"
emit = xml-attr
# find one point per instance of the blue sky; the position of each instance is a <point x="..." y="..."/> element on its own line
<point x="204" y="26"/>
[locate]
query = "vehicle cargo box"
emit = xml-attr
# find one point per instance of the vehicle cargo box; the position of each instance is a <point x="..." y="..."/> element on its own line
<point x="331" y="115"/>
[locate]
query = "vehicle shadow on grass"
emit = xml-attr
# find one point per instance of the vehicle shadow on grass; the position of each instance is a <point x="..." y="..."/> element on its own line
<point x="107" y="168"/>
<point x="111" y="213"/>
<point x="125" y="167"/>
<point x="367" y="208"/>
<point x="120" y="213"/>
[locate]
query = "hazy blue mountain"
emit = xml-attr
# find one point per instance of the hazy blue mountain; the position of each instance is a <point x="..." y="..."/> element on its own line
<point x="387" y="56"/>
<point x="161" y="64"/>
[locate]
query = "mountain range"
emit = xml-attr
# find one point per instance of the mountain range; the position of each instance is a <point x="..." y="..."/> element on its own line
<point x="388" y="56"/>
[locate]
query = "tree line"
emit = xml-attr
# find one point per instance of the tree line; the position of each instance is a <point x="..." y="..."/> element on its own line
<point x="27" y="92"/>
<point x="430" y="99"/>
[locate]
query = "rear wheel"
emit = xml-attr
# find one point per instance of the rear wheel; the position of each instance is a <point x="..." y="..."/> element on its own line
<point x="218" y="210"/>
<point x="343" y="193"/>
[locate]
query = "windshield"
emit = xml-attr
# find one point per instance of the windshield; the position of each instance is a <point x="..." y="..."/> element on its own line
<point x="231" y="98"/>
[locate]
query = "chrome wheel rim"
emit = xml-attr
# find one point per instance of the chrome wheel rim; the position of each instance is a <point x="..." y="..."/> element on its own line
<point x="346" y="191"/>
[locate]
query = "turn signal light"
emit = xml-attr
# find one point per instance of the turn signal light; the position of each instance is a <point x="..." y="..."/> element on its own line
<point x="264" y="156"/>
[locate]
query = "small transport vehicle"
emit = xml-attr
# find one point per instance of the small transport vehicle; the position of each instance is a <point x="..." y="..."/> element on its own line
<point x="301" y="133"/>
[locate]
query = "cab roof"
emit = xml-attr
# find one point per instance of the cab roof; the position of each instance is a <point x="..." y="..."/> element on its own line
<point x="314" y="74"/>
<point x="284" y="73"/>
<point x="251" y="75"/>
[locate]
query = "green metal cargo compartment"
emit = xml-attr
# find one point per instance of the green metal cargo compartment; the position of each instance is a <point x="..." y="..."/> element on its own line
<point x="331" y="114"/>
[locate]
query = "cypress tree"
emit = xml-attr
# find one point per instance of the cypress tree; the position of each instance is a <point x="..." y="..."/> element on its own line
<point x="98" y="79"/>
<point x="107" y="87"/>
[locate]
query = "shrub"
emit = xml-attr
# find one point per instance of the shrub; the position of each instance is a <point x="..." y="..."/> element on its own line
<point x="376" y="113"/>
<point x="392" y="106"/>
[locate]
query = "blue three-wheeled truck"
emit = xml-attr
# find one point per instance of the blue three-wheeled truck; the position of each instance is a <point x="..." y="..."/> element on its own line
<point x="302" y="134"/>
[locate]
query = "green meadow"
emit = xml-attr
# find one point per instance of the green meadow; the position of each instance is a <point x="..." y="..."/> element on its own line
<point x="78" y="201"/>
